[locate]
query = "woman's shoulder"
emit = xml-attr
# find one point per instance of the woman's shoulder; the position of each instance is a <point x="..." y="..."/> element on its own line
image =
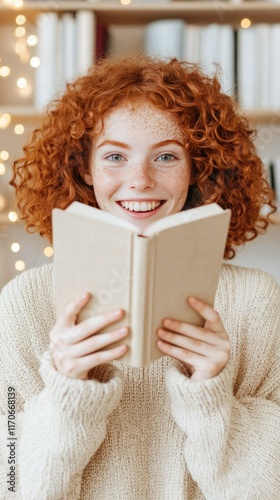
<point x="33" y="279"/>
<point x="243" y="279"/>
<point x="29" y="295"/>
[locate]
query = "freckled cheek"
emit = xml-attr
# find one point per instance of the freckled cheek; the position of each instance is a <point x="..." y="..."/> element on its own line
<point x="104" y="187"/>
<point x="178" y="186"/>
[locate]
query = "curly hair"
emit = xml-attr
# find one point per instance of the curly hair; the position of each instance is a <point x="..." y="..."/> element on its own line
<point x="226" y="168"/>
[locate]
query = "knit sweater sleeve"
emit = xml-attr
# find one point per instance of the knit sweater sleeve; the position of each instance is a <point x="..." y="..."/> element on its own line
<point x="232" y="421"/>
<point x="60" y="422"/>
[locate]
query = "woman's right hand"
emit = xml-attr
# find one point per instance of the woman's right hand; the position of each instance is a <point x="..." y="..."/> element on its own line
<point x="76" y="348"/>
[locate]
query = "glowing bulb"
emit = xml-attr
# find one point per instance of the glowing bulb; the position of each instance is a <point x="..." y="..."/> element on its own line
<point x="19" y="129"/>
<point x="20" y="265"/>
<point x="20" y="19"/>
<point x="5" y="71"/>
<point x="48" y="251"/>
<point x="5" y="120"/>
<point x="32" y="40"/>
<point x="18" y="3"/>
<point x="245" y="23"/>
<point x="2" y="169"/>
<point x="35" y="62"/>
<point x="13" y="216"/>
<point x="20" y="31"/>
<point x="15" y="247"/>
<point x="4" y="155"/>
<point x="125" y="2"/>
<point x="2" y="202"/>
<point x="21" y="83"/>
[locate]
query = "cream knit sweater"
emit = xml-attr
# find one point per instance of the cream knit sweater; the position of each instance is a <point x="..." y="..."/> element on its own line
<point x="143" y="434"/>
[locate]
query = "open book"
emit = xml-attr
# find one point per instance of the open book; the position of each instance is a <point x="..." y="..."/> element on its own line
<point x="148" y="276"/>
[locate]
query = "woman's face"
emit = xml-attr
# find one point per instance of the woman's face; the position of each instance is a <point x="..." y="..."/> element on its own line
<point x="140" y="167"/>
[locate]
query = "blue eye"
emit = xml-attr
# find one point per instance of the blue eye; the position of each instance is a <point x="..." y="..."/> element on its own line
<point x="166" y="157"/>
<point x="115" y="157"/>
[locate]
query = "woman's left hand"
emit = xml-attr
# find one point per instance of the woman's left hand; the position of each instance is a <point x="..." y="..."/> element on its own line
<point x="204" y="350"/>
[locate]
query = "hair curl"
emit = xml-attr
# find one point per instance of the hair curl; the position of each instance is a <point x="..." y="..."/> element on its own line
<point x="226" y="168"/>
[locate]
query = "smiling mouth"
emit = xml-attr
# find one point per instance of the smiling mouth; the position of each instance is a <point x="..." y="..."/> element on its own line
<point x="143" y="206"/>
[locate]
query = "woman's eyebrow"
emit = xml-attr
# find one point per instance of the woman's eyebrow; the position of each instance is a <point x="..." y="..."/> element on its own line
<point x="168" y="141"/>
<point x="114" y="143"/>
<point x="126" y="146"/>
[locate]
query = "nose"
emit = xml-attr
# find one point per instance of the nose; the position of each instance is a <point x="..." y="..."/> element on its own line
<point x="142" y="177"/>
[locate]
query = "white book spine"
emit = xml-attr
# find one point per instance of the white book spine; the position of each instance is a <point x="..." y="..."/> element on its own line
<point x="191" y="45"/>
<point x="264" y="64"/>
<point x="226" y="58"/>
<point x="247" y="67"/>
<point x="276" y="174"/>
<point x="46" y="76"/>
<point x="86" y="36"/>
<point x="209" y="48"/>
<point x="68" y="61"/>
<point x="165" y="38"/>
<point x="139" y="301"/>
<point x="274" y="90"/>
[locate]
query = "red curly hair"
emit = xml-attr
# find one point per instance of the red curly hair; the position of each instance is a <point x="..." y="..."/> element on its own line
<point x="226" y="168"/>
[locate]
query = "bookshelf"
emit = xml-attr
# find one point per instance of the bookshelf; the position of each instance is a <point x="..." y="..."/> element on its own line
<point x="112" y="13"/>
<point x="195" y="11"/>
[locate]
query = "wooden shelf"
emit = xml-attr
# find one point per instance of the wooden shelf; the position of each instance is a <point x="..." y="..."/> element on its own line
<point x="23" y="113"/>
<point x="200" y="12"/>
<point x="28" y="114"/>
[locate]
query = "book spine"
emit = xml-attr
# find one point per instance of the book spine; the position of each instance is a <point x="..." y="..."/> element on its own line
<point x="165" y="38"/>
<point x="141" y="306"/>
<point x="86" y="40"/>
<point x="264" y="53"/>
<point x="191" y="45"/>
<point x="226" y="58"/>
<point x="276" y="177"/>
<point x="46" y="76"/>
<point x="247" y="68"/>
<point x="68" y="47"/>
<point x="274" y="94"/>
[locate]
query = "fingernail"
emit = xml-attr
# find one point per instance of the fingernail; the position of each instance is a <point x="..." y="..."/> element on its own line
<point x="116" y="314"/>
<point x="167" y="322"/>
<point x="193" y="300"/>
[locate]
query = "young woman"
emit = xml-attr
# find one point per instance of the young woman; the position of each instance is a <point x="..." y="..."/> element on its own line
<point x="143" y="139"/>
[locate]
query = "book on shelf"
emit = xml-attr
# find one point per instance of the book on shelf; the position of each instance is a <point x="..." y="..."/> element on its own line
<point x="149" y="276"/>
<point x="164" y="38"/>
<point x="274" y="176"/>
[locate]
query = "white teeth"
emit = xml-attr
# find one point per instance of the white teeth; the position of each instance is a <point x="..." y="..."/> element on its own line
<point x="137" y="206"/>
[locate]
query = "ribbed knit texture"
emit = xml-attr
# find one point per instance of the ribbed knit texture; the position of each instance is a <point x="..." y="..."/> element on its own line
<point x="149" y="433"/>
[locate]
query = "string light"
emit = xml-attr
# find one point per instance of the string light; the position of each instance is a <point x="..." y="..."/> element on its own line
<point x="5" y="120"/>
<point x="35" y="62"/>
<point x="5" y="71"/>
<point x="245" y="23"/>
<point x="15" y="247"/>
<point x="13" y="216"/>
<point x="2" y="169"/>
<point x="48" y="251"/>
<point x="4" y="155"/>
<point x="125" y="2"/>
<point x="20" y="265"/>
<point x="20" y="31"/>
<point x="19" y="129"/>
<point x="2" y="202"/>
<point x="22" y="83"/>
<point x="18" y="3"/>
<point x="32" y="40"/>
<point x="20" y="20"/>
